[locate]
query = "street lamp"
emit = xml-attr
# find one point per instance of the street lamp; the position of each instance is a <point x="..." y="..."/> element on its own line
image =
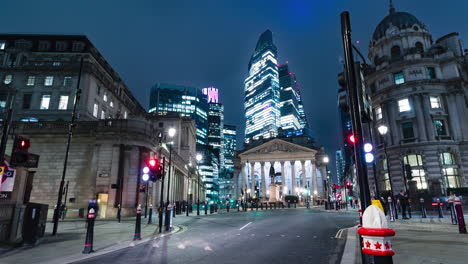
<point x="199" y="157"/>
<point x="171" y="132"/>
<point x="383" y="129"/>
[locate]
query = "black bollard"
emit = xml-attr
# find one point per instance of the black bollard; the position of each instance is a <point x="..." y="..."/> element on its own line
<point x="238" y="207"/>
<point x="461" y="218"/>
<point x="227" y="208"/>
<point x="295" y="204"/>
<point x="174" y="210"/>
<point x="216" y="208"/>
<point x="251" y="206"/>
<point x="187" y="210"/>
<point x="261" y="206"/>
<point x="168" y="220"/>
<point x="206" y="208"/>
<point x="119" y="213"/>
<point x="289" y="204"/>
<point x="150" y="217"/>
<point x="256" y="205"/>
<point x="211" y="209"/>
<point x="439" y="207"/>
<point x="137" y="235"/>
<point x="88" y="247"/>
<point x="423" y="208"/>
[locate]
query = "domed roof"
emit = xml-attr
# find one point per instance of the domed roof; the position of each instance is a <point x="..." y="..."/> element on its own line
<point x="401" y="20"/>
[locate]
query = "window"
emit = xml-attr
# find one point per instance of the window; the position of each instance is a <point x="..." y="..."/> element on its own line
<point x="404" y="105"/>
<point x="417" y="171"/>
<point x="95" y="110"/>
<point x="98" y="90"/>
<point x="27" y="101"/>
<point x="45" y="101"/>
<point x="386" y="177"/>
<point x="103" y="114"/>
<point x="431" y="74"/>
<point x="56" y="63"/>
<point x="440" y="126"/>
<point x="31" y="80"/>
<point x="395" y="52"/>
<point x="67" y="81"/>
<point x="419" y="47"/>
<point x="399" y="78"/>
<point x="63" y="102"/>
<point x="408" y="131"/>
<point x="2" y="45"/>
<point x="49" y="80"/>
<point x="8" y="79"/>
<point x="105" y="97"/>
<point x="111" y="104"/>
<point x="435" y="102"/>
<point x="125" y="115"/>
<point x="450" y="170"/>
<point x="378" y="113"/>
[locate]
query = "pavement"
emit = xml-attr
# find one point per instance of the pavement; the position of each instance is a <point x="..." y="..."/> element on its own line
<point x="274" y="236"/>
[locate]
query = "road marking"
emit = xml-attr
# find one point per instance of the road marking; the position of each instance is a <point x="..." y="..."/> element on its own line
<point x="245" y="226"/>
<point x="339" y="233"/>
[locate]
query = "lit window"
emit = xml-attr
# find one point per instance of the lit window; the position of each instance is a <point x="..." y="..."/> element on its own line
<point x="45" y="101"/>
<point x="125" y="115"/>
<point x="111" y="104"/>
<point x="417" y="170"/>
<point x="450" y="170"/>
<point x="95" y="110"/>
<point x="8" y="79"/>
<point x="56" y="64"/>
<point x="378" y="113"/>
<point x="435" y="102"/>
<point x="105" y="97"/>
<point x="31" y="80"/>
<point x="2" y="45"/>
<point x="103" y="114"/>
<point x="403" y="105"/>
<point x="431" y="74"/>
<point x="67" y="81"/>
<point x="63" y="102"/>
<point x="440" y="126"/>
<point x="399" y="78"/>
<point x="49" y="80"/>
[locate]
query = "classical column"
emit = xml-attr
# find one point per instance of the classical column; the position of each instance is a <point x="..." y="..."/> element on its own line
<point x="283" y="178"/>
<point x="427" y="118"/>
<point x="420" y="118"/>
<point x="252" y="179"/>
<point x="293" y="177"/>
<point x="314" y="178"/>
<point x="304" y="177"/>
<point x="323" y="172"/>
<point x="244" y="178"/>
<point x="262" y="175"/>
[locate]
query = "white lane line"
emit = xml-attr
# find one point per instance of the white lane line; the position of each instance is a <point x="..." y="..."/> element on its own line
<point x="339" y="233"/>
<point x="245" y="226"/>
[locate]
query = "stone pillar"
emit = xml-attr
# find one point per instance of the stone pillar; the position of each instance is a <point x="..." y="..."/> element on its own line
<point x="304" y="177"/>
<point x="262" y="175"/>
<point x="252" y="178"/>
<point x="453" y="121"/>
<point x="244" y="178"/>
<point x="314" y="179"/>
<point x="283" y="178"/>
<point x="293" y="177"/>
<point x="422" y="136"/>
<point x="323" y="172"/>
<point x="427" y="119"/>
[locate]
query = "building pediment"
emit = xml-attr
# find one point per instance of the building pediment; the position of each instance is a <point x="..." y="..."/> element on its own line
<point x="278" y="147"/>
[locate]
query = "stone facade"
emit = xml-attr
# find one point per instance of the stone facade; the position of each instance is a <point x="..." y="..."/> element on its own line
<point x="419" y="90"/>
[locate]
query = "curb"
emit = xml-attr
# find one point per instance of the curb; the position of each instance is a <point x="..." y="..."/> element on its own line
<point x="112" y="248"/>
<point x="350" y="250"/>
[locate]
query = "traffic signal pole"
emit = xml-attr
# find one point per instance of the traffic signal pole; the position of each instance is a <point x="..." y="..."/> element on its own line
<point x="355" y="117"/>
<point x="6" y="126"/>
<point x="70" y="134"/>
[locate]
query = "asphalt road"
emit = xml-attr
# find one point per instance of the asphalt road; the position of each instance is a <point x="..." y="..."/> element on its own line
<point x="278" y="236"/>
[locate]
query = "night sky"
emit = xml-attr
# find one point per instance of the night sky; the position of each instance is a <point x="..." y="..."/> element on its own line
<point x="209" y="42"/>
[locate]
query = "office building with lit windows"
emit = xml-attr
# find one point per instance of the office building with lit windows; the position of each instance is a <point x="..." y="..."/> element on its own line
<point x="215" y="121"/>
<point x="169" y="99"/>
<point x="262" y="91"/>
<point x="230" y="145"/>
<point x="44" y="69"/>
<point x="418" y="89"/>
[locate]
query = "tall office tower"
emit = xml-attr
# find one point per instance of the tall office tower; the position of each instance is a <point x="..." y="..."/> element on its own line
<point x="167" y="99"/>
<point x="293" y="118"/>
<point x="215" y="121"/>
<point x="262" y="91"/>
<point x="229" y="139"/>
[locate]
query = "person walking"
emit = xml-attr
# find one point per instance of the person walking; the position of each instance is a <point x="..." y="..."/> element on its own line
<point x="403" y="198"/>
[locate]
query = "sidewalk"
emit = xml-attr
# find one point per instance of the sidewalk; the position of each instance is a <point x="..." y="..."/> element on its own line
<point x="67" y="245"/>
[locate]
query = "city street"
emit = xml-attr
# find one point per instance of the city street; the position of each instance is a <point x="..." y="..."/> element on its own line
<point x="278" y="236"/>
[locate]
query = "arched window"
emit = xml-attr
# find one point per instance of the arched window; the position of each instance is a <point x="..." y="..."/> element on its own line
<point x="395" y="52"/>
<point x="419" y="47"/>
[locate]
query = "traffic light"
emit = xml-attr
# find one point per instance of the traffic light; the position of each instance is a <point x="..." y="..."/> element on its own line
<point x="348" y="184"/>
<point x="369" y="156"/>
<point x="152" y="171"/>
<point x="256" y="190"/>
<point x="352" y="139"/>
<point x="20" y="154"/>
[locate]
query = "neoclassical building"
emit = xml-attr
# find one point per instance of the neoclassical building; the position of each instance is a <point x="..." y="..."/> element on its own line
<point x="299" y="170"/>
<point x="418" y="89"/>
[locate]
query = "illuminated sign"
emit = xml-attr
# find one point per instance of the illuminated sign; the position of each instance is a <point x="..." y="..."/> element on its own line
<point x="212" y="94"/>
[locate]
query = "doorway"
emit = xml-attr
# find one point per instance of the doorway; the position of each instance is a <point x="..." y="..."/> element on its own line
<point x="102" y="203"/>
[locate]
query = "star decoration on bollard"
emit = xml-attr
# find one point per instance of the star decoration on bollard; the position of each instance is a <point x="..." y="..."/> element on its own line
<point x="377" y="245"/>
<point x="368" y="244"/>
<point x="387" y="245"/>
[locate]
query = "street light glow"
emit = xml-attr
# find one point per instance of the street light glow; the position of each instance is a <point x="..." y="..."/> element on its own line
<point x="145" y="170"/>
<point x="172" y="132"/>
<point x="368" y="147"/>
<point x="383" y="129"/>
<point x="369" y="157"/>
<point x="199" y="157"/>
<point x="326" y="159"/>
<point x="145" y="177"/>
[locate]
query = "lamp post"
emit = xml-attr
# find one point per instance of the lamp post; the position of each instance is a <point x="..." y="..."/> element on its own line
<point x="161" y="197"/>
<point x="325" y="161"/>
<point x="189" y="181"/>
<point x="383" y="129"/>
<point x="171" y="132"/>
<point x="199" y="157"/>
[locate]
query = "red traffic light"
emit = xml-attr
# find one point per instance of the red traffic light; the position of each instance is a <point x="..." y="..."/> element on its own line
<point x="152" y="163"/>
<point x="348" y="184"/>
<point x="25" y="144"/>
<point x="352" y="139"/>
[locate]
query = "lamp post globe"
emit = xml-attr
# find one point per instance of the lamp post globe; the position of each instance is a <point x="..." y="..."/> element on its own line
<point x="383" y="129"/>
<point x="326" y="159"/>
<point x="172" y="132"/>
<point x="199" y="157"/>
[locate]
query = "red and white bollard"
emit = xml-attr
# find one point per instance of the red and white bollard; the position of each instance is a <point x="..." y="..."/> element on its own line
<point x="88" y="247"/>
<point x="376" y="235"/>
<point x="461" y="219"/>
<point x="137" y="235"/>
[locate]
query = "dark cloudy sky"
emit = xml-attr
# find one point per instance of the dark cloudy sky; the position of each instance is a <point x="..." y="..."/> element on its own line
<point x="209" y="42"/>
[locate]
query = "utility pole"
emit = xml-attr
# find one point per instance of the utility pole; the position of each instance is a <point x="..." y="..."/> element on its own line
<point x="70" y="134"/>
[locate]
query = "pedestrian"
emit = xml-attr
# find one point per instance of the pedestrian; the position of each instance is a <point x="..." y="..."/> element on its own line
<point x="403" y="198"/>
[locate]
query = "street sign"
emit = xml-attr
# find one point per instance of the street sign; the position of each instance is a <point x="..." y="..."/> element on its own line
<point x="33" y="161"/>
<point x="8" y="180"/>
<point x="2" y="170"/>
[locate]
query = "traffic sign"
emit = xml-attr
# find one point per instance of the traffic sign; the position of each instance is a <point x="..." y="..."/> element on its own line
<point x="2" y="170"/>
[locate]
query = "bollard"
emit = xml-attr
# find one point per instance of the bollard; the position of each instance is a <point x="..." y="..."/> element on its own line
<point x="227" y="208"/>
<point x="137" y="235"/>
<point x="256" y="205"/>
<point x="88" y="247"/>
<point x="295" y="204"/>
<point x="168" y="220"/>
<point x="251" y="206"/>
<point x="275" y="206"/>
<point x="119" y="213"/>
<point x="461" y="218"/>
<point x="423" y="208"/>
<point x="150" y="217"/>
<point x="238" y="207"/>
<point x="174" y="210"/>
<point x="261" y="206"/>
<point x="206" y="208"/>
<point x="211" y="209"/>
<point x="216" y="208"/>
<point x="376" y="235"/>
<point x="187" y="208"/>
<point x="439" y="207"/>
<point x="391" y="209"/>
<point x="453" y="214"/>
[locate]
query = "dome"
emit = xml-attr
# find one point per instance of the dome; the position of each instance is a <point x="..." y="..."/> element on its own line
<point x="401" y="20"/>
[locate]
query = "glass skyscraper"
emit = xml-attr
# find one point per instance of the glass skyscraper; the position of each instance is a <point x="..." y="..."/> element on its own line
<point x="262" y="91"/>
<point x="229" y="139"/>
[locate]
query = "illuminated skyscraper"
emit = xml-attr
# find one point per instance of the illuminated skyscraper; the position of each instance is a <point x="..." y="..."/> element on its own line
<point x="215" y="122"/>
<point x="262" y="91"/>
